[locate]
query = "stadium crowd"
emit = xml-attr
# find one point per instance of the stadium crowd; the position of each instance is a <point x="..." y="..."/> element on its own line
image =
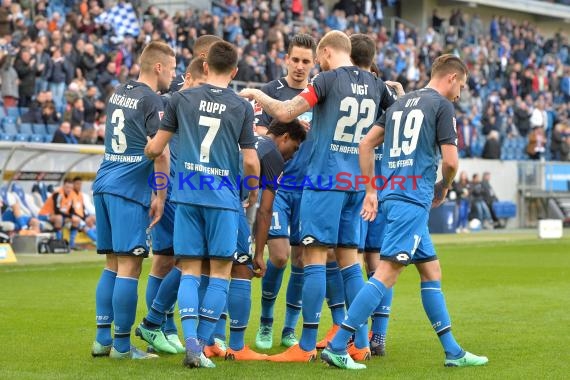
<point x="515" y="107"/>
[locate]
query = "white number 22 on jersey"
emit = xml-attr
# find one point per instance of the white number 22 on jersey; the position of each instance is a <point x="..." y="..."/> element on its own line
<point x="119" y="142"/>
<point x="213" y="125"/>
<point x="349" y="104"/>
<point x="412" y="127"/>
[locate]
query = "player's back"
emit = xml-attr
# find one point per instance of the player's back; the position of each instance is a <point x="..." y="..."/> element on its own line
<point x="295" y="168"/>
<point x="133" y="113"/>
<point x="270" y="160"/>
<point x="350" y="101"/>
<point x="172" y="146"/>
<point x="211" y="121"/>
<point x="415" y="126"/>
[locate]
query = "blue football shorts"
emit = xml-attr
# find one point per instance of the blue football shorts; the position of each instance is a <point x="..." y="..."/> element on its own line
<point x="285" y="220"/>
<point x="331" y="218"/>
<point x="121" y="226"/>
<point x="406" y="235"/>
<point x="205" y="232"/>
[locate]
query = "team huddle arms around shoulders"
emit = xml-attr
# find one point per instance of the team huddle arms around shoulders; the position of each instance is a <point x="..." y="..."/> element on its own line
<point x="319" y="170"/>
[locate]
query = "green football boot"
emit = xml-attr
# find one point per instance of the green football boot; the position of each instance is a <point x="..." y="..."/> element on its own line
<point x="156" y="338"/>
<point x="468" y="360"/>
<point x="264" y="337"/>
<point x="343" y="361"/>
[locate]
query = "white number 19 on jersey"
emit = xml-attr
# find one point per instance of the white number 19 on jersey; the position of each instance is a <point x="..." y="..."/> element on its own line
<point x="412" y="127"/>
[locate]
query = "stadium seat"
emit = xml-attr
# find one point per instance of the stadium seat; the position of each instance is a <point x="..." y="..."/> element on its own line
<point x="48" y="138"/>
<point x="13" y="112"/>
<point x="504" y="211"/>
<point x="51" y="128"/>
<point x="39" y="129"/>
<point x="37" y="138"/>
<point x="9" y="120"/>
<point x="521" y="143"/>
<point x="20" y="137"/>
<point x="10" y="128"/>
<point x="23" y="110"/>
<point x="26" y="128"/>
<point x="6" y="137"/>
<point x="2" y="113"/>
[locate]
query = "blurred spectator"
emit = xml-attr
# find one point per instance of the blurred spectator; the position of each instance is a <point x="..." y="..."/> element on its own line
<point x="539" y="117"/>
<point x="461" y="190"/>
<point x="63" y="134"/>
<point x="10" y="80"/>
<point x="58" y="75"/>
<point x="6" y="18"/>
<point x="478" y="204"/>
<point x="492" y="149"/>
<point x="536" y="143"/>
<point x="466" y="135"/>
<point x="88" y="63"/>
<point x="522" y="116"/>
<point x="560" y="146"/>
<point x="27" y="70"/>
<point x="43" y="62"/>
<point x="76" y="113"/>
<point x="77" y="133"/>
<point x="489" y="195"/>
<point x="436" y="21"/>
<point x="92" y="105"/>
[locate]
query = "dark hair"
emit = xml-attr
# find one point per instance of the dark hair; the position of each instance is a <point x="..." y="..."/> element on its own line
<point x="77" y="178"/>
<point x="67" y="180"/>
<point x="196" y="68"/>
<point x="222" y="57"/>
<point x="303" y="41"/>
<point x="204" y="43"/>
<point x="448" y="64"/>
<point x="363" y="50"/>
<point x="294" y="128"/>
<point x="375" y="70"/>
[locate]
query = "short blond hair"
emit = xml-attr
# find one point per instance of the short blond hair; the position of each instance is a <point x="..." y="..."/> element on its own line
<point x="336" y="40"/>
<point x="155" y="52"/>
<point x="448" y="64"/>
<point x="204" y="43"/>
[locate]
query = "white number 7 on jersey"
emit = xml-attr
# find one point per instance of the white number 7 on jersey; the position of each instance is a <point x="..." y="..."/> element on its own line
<point x="214" y="125"/>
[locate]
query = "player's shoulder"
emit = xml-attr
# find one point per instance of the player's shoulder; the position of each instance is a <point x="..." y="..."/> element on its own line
<point x="324" y="77"/>
<point x="274" y="86"/>
<point x="436" y="100"/>
<point x="267" y="149"/>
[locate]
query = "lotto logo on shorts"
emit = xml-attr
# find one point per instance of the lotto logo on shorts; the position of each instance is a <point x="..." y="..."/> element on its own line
<point x="403" y="258"/>
<point x="308" y="240"/>
<point x="139" y="251"/>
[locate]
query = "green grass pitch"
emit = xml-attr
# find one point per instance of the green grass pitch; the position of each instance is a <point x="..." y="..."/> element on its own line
<point x="508" y="295"/>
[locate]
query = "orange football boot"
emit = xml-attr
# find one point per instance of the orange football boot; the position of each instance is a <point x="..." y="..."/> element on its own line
<point x="294" y="354"/>
<point x="321" y="345"/>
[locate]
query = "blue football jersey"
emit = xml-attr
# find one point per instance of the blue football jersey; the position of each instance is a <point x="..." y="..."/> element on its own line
<point x="270" y="161"/>
<point x="295" y="168"/>
<point x="347" y="102"/>
<point x="213" y="123"/>
<point x="173" y="147"/>
<point x="134" y="111"/>
<point x="415" y="127"/>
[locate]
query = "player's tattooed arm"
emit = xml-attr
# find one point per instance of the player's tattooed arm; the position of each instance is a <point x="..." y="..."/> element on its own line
<point x="283" y="111"/>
